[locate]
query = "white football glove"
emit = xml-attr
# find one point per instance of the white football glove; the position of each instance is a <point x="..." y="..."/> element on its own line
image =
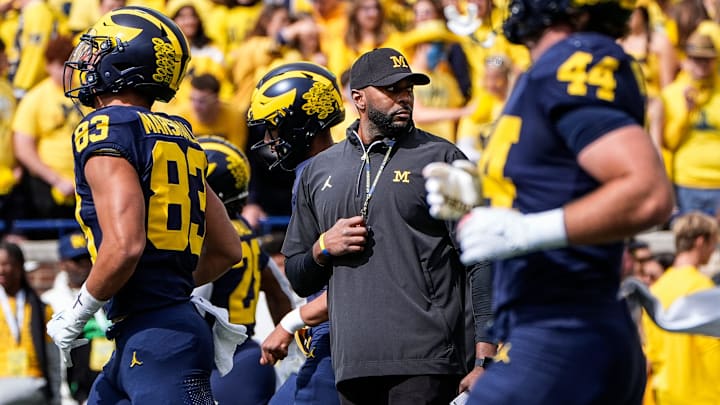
<point x="66" y="325"/>
<point x="498" y="233"/>
<point x="453" y="190"/>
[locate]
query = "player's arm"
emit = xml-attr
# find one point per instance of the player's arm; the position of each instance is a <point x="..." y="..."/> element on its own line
<point x="315" y="312"/>
<point x="277" y="301"/>
<point x="222" y="247"/>
<point x="635" y="193"/>
<point x="120" y="208"/>
<point x="275" y="345"/>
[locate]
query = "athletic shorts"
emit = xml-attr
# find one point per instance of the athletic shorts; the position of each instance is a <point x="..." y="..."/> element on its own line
<point x="597" y="360"/>
<point x="163" y="356"/>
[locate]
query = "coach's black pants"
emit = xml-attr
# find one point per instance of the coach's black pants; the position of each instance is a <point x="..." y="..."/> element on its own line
<point x="399" y="390"/>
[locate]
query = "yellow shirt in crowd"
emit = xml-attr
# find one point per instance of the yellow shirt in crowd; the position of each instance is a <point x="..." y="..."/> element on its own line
<point x="693" y="137"/>
<point x="48" y="116"/>
<point x="19" y="359"/>
<point x="686" y="368"/>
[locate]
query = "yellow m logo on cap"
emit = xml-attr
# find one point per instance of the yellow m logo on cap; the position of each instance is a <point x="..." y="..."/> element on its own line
<point x="77" y="241"/>
<point x="398" y="61"/>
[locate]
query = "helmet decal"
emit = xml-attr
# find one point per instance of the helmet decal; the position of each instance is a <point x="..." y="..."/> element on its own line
<point x="289" y="106"/>
<point x="165" y="61"/>
<point x="320" y="100"/>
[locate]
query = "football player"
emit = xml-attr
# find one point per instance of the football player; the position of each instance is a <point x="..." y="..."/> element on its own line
<point x="155" y="229"/>
<point x="568" y="172"/>
<point x="293" y="107"/>
<point x="238" y="290"/>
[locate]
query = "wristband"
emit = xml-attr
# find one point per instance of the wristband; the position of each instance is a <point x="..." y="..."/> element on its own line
<point x="292" y="322"/>
<point x="483" y="362"/>
<point x="85" y="305"/>
<point x="546" y="230"/>
<point x="323" y="249"/>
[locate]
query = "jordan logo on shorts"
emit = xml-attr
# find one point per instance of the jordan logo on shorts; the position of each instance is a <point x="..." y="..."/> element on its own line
<point x="135" y="361"/>
<point x="503" y="354"/>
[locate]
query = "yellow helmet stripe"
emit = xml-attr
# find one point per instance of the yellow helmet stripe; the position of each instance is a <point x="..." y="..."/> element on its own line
<point x="106" y="25"/>
<point x="267" y="108"/>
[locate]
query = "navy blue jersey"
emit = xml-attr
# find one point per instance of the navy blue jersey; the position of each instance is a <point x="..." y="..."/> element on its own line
<point x="580" y="89"/>
<point x="238" y="290"/>
<point x="171" y="167"/>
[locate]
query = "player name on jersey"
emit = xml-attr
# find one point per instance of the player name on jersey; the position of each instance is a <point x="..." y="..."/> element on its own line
<point x="157" y="124"/>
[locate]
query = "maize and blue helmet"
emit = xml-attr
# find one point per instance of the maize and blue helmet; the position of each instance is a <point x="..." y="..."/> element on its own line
<point x="129" y="47"/>
<point x="228" y="171"/>
<point x="297" y="100"/>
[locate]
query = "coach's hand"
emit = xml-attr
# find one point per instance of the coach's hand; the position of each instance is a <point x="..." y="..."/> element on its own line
<point x="498" y="233"/>
<point x="348" y="235"/>
<point x="469" y="380"/>
<point x="453" y="190"/>
<point x="68" y="324"/>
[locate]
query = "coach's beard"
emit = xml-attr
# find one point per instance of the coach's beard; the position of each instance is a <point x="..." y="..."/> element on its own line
<point x="387" y="126"/>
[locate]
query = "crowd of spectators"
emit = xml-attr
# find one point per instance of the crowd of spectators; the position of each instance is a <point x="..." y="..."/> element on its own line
<point x="458" y="43"/>
<point x="233" y="43"/>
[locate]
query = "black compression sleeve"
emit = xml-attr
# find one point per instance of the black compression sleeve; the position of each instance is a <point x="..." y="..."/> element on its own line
<point x="305" y="275"/>
<point x="481" y="276"/>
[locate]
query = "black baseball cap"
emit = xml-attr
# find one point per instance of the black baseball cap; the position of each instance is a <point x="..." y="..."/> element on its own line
<point x="383" y="67"/>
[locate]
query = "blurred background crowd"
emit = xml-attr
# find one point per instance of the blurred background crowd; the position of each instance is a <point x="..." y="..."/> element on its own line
<point x="233" y="44"/>
<point x="458" y="43"/>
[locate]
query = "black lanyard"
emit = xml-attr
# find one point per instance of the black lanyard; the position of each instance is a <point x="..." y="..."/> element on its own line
<point x="370" y="189"/>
